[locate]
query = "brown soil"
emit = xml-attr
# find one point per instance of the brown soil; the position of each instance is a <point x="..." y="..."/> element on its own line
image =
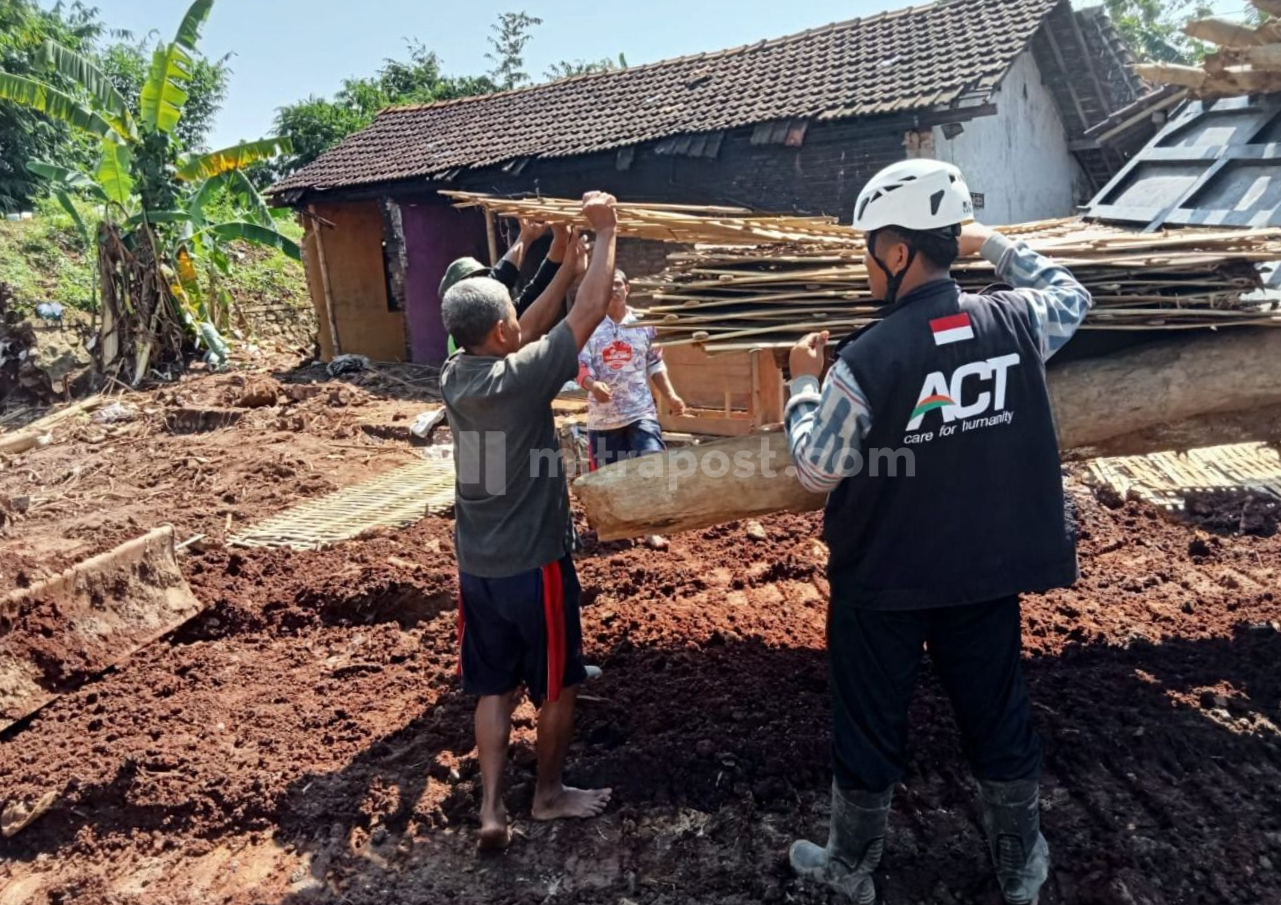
<point x="1234" y="512"/>
<point x="305" y="739"/>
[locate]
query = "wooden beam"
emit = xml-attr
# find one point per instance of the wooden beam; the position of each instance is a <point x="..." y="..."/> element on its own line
<point x="1104" y="97"/>
<point x="491" y="235"/>
<point x="1176" y="98"/>
<point x="1172" y="74"/>
<point x="1224" y="33"/>
<point x="1096" y="401"/>
<point x="1067" y="76"/>
<point x="1268" y="7"/>
<point x="324" y="282"/>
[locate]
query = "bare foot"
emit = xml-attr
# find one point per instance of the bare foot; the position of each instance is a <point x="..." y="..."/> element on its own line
<point x="494" y="833"/>
<point x="572" y="804"/>
<point x="656" y="543"/>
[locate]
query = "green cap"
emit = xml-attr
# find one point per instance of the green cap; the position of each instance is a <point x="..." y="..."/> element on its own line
<point x="460" y="270"/>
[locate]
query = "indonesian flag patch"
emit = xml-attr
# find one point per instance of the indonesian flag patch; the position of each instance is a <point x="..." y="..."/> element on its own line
<point x="954" y="329"/>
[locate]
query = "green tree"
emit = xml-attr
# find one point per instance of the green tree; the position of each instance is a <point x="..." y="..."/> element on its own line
<point x="1154" y="28"/>
<point x="315" y="125"/>
<point x="570" y="68"/>
<point x="25" y="133"/>
<point x="154" y="237"/>
<point x="508" y="38"/>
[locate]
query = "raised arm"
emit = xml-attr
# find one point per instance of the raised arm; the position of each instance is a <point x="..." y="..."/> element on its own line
<point x="537" y="319"/>
<point x="562" y="236"/>
<point x="1057" y="302"/>
<point x="592" y="302"/>
<point x="507" y="271"/>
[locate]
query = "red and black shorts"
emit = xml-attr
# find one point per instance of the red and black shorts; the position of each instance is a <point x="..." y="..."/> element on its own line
<point x="524" y="629"/>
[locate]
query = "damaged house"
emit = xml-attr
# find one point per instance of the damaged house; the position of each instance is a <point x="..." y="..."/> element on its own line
<point x="1006" y="89"/>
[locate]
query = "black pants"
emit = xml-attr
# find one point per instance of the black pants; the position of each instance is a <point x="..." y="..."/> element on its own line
<point x="875" y="658"/>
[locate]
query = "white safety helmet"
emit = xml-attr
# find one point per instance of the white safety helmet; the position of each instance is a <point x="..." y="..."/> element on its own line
<point x="923" y="195"/>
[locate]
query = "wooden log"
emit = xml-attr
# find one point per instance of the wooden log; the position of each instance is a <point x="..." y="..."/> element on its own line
<point x="1268" y="7"/>
<point x="1172" y="74"/>
<point x="17" y="444"/>
<point x="1237" y="80"/>
<point x="1224" y="33"/>
<point x="1096" y="402"/>
<point x="1266" y="57"/>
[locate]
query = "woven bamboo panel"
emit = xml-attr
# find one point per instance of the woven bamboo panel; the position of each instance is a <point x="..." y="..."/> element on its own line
<point x="393" y="500"/>
<point x="1163" y="479"/>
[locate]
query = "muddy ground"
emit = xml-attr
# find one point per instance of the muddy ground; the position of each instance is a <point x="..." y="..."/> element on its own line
<point x="305" y="739"/>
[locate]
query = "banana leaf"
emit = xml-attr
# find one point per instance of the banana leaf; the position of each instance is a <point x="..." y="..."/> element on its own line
<point x="192" y="22"/>
<point x="79" y="69"/>
<point x="215" y="163"/>
<point x="65" y="200"/>
<point x="67" y="179"/>
<point x="113" y="174"/>
<point x="158" y="217"/>
<point x="53" y="103"/>
<point x="164" y="94"/>
<point x="259" y="235"/>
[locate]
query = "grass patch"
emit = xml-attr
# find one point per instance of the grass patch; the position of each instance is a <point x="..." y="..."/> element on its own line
<point x="44" y="260"/>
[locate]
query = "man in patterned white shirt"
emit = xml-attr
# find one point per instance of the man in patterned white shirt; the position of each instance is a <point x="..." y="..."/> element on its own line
<point x="616" y="368"/>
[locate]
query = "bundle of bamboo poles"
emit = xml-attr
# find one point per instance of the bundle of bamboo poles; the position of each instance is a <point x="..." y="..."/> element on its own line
<point x="681" y="223"/>
<point x="1248" y="60"/>
<point x="731" y="299"/>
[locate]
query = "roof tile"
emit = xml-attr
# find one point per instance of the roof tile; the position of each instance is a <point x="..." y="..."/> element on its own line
<point x="901" y="60"/>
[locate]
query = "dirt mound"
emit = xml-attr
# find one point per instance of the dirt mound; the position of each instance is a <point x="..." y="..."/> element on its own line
<point x="309" y="725"/>
<point x="256" y="392"/>
<point x="1234" y="511"/>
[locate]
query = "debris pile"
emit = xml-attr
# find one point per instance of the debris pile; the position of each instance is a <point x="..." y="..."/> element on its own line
<point x="731" y="299"/>
<point x="1248" y="59"/>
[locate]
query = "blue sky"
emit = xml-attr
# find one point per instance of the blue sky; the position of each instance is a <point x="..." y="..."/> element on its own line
<point x="287" y="49"/>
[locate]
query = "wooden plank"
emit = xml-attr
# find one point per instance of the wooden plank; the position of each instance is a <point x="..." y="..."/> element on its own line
<point x="768" y="390"/>
<point x="1173" y="74"/>
<point x="708" y="424"/>
<point x="491" y="237"/>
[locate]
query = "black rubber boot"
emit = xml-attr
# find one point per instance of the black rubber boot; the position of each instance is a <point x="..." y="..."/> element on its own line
<point x="1012" y="819"/>
<point x="855" y="843"/>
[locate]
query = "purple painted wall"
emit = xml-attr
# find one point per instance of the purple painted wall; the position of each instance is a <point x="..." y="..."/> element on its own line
<point x="435" y="234"/>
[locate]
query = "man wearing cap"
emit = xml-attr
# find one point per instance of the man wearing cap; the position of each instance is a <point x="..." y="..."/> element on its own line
<point x="931" y="548"/>
<point x="507" y="271"/>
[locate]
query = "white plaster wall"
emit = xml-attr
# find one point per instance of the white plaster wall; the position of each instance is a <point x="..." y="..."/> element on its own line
<point x="1019" y="158"/>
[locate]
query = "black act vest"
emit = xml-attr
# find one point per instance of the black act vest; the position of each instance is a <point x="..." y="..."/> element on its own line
<point x="957" y="380"/>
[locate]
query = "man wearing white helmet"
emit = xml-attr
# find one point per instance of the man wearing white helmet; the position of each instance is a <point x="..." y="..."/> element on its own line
<point x="931" y="550"/>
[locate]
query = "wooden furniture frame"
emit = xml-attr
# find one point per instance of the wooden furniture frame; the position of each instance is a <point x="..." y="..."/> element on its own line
<point x="728" y="395"/>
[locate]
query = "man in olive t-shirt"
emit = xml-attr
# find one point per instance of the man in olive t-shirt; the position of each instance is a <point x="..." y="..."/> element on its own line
<point x="519" y="607"/>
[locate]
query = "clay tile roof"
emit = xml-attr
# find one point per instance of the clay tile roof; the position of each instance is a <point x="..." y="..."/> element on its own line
<point x="898" y="61"/>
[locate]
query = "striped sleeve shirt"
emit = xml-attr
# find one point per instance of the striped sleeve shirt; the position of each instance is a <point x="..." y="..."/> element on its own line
<point x="827" y="427"/>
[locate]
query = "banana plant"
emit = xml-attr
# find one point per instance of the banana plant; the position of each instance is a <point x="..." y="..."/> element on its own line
<point x="153" y="233"/>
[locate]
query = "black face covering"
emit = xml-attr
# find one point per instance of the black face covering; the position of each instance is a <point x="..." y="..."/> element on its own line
<point x="893" y="281"/>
